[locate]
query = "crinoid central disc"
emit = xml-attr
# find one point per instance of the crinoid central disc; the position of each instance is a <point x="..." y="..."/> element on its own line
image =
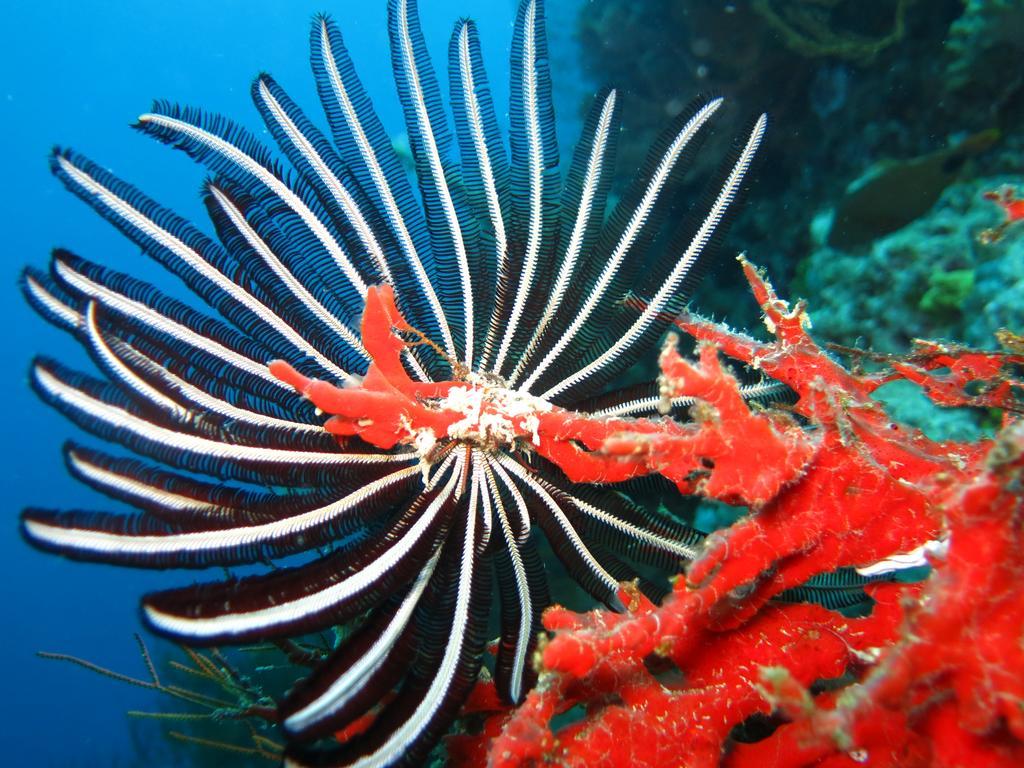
<point x="492" y="416"/>
<point x="388" y="408"/>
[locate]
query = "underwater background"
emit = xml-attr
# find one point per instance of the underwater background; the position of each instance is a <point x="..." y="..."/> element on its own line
<point x="921" y="103"/>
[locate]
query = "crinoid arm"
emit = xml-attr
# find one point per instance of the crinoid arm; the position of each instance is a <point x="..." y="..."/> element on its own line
<point x="372" y="391"/>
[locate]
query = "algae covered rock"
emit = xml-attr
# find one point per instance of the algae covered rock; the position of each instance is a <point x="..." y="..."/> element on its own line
<point x="930" y="279"/>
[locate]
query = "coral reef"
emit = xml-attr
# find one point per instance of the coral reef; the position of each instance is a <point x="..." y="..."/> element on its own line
<point x="850" y="98"/>
<point x="955" y="272"/>
<point x="931" y="279"/>
<point x="929" y="677"/>
<point x="731" y="668"/>
<point x="986" y="39"/>
<point x="728" y="670"/>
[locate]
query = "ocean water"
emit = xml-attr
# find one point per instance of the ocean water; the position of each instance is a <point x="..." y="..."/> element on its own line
<point x="76" y="75"/>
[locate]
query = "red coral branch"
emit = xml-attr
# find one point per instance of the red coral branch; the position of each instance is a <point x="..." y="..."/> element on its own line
<point x="1013" y="209"/>
<point x="712" y="455"/>
<point x="960" y="662"/>
<point x="831" y="482"/>
<point x="939" y="673"/>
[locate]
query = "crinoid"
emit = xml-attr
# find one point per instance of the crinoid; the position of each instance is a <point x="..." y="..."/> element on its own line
<point x="501" y="295"/>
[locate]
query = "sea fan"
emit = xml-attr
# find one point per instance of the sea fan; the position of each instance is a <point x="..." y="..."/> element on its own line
<point x="511" y="284"/>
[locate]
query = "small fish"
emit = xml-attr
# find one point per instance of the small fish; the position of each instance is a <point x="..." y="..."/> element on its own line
<point x="896" y="192"/>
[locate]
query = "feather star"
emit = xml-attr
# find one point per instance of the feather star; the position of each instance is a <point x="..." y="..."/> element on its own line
<point x="502" y="295"/>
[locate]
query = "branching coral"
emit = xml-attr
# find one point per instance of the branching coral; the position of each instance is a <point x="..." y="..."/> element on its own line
<point x="950" y="691"/>
<point x="226" y="712"/>
<point x="931" y="676"/>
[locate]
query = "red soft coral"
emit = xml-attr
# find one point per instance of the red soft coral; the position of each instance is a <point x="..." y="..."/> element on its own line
<point x="939" y="669"/>
<point x="932" y="676"/>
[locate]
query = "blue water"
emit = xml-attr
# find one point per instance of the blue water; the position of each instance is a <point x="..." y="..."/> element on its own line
<point x="76" y="74"/>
